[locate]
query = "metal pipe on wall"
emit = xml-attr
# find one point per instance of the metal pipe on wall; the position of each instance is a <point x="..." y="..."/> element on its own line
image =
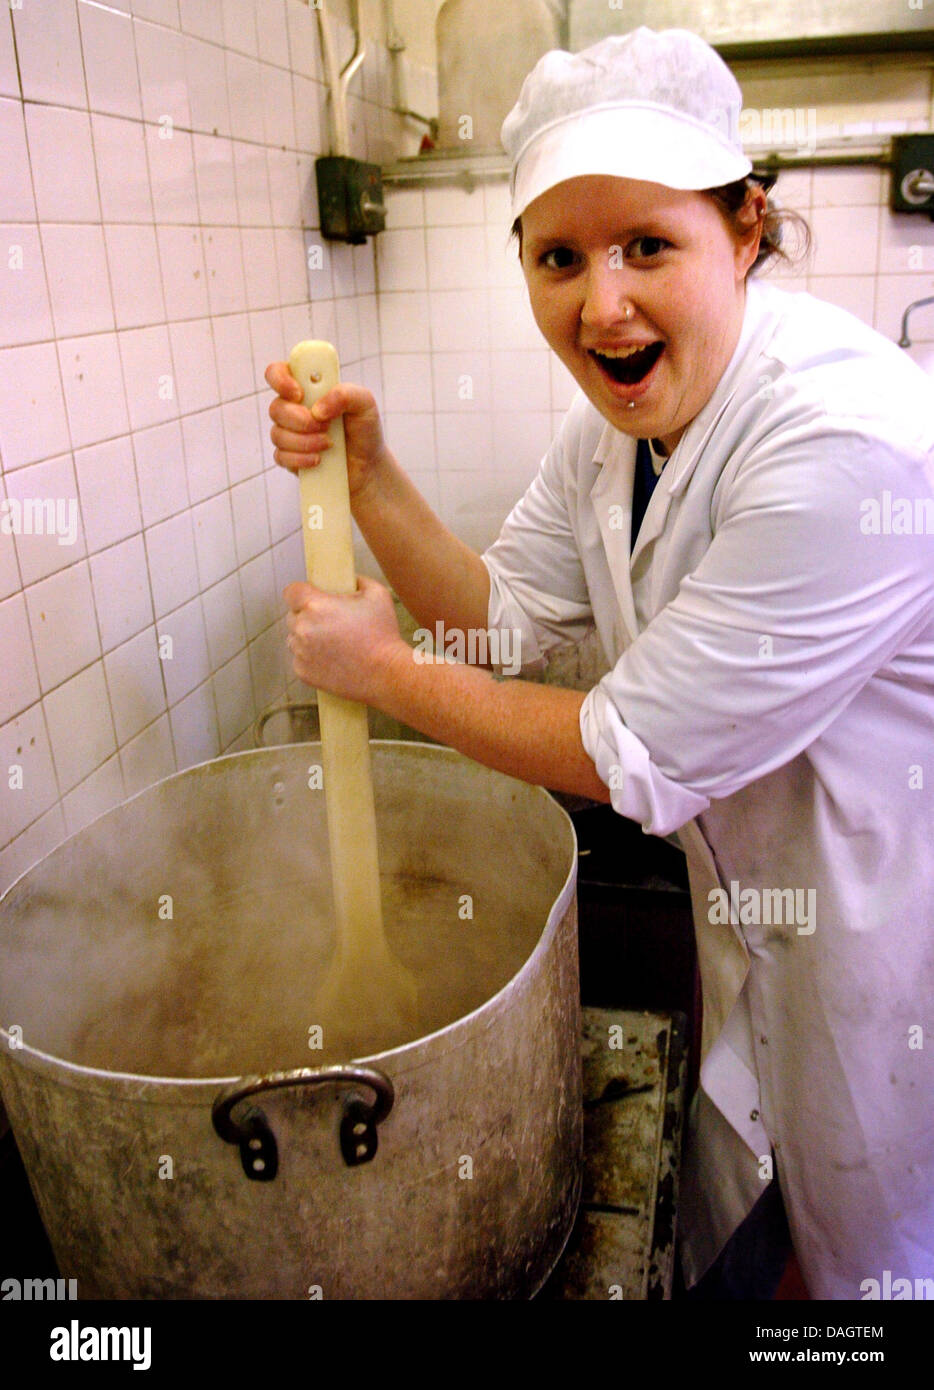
<point x="338" y="79"/>
<point x="396" y="46"/>
<point x="466" y="169"/>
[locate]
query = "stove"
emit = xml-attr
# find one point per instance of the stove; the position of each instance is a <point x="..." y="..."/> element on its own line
<point x="635" y="1080"/>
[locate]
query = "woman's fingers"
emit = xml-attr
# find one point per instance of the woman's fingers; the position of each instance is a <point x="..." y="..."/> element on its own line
<point x="342" y="642"/>
<point x="290" y="414"/>
<point x="345" y="397"/>
<point x="297" y="438"/>
<point x="299" y="435"/>
<point x="298" y="450"/>
<point x="282" y="381"/>
<point x="296" y="595"/>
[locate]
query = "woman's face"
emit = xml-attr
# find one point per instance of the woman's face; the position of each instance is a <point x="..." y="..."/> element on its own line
<point x="593" y="245"/>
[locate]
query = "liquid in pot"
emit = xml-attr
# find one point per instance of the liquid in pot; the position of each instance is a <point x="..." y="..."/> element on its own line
<point x="242" y="1000"/>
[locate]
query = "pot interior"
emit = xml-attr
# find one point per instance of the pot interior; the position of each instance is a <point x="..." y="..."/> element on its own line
<point x="183" y="934"/>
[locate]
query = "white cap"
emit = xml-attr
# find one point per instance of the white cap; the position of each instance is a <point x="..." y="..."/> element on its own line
<point x="661" y="107"/>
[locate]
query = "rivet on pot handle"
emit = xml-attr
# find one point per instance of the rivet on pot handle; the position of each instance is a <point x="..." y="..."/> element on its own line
<point x="259" y="1152"/>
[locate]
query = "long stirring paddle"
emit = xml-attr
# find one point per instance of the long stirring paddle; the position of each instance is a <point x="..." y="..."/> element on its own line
<point x="368" y="998"/>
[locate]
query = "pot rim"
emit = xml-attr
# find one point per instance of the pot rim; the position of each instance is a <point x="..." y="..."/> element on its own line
<point x="137" y="1086"/>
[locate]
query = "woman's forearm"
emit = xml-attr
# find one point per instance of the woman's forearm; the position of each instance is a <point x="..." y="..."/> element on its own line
<point x="437" y="576"/>
<point x="527" y="730"/>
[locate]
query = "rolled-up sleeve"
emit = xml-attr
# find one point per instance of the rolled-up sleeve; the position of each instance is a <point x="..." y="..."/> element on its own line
<point x="794" y="606"/>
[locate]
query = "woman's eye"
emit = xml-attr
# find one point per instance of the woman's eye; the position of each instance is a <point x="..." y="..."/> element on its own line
<point x="558" y="258"/>
<point x="645" y="247"/>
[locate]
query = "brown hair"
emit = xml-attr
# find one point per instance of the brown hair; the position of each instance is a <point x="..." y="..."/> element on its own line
<point x="731" y="200"/>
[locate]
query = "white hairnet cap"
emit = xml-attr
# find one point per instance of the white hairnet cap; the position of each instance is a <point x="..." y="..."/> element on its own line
<point x="658" y="106"/>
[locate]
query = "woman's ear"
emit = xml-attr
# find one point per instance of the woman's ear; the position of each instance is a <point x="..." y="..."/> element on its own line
<point x="749" y="222"/>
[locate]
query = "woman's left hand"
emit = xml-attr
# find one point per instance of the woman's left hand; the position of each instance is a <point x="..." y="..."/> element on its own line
<point x="343" y="642"/>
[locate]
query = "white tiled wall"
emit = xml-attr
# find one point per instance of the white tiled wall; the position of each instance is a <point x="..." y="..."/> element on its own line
<point x="156" y="205"/>
<point x="471" y="391"/>
<point x="157" y="200"/>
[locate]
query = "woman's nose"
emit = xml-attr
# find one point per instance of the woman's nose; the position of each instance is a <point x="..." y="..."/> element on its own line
<point x="606" y="299"/>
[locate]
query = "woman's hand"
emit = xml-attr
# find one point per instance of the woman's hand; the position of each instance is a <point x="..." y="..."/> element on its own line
<point x="344" y="643"/>
<point x="300" y="435"/>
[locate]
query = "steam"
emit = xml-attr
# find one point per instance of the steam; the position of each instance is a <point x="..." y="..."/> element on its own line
<point x="184" y="933"/>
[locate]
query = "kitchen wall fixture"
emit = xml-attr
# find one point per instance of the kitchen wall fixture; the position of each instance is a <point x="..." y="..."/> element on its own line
<point x="396" y="45"/>
<point x="904" y="341"/>
<point x="912" y="188"/>
<point x="350" y="198"/>
<point x="350" y="192"/>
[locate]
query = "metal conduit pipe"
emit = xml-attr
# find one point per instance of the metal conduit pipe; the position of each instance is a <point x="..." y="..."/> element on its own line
<point x="338" y="79"/>
<point x="396" y="46"/>
<point x="904" y="341"/>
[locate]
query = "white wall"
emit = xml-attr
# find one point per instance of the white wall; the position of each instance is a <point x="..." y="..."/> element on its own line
<point x="415" y="21"/>
<point x="158" y="202"/>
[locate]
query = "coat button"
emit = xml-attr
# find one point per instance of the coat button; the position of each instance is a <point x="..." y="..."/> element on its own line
<point x="763" y="1039"/>
<point x="753" y="1114"/>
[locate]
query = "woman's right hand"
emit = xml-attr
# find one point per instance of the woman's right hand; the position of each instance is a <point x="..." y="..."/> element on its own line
<point x="300" y="435"/>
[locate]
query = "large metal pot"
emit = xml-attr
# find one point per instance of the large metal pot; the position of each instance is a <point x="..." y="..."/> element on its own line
<point x="182" y="1134"/>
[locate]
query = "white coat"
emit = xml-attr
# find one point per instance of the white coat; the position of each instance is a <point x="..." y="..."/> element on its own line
<point x="771" y="698"/>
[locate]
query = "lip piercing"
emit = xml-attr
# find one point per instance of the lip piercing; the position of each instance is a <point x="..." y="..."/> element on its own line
<point x="631" y="405"/>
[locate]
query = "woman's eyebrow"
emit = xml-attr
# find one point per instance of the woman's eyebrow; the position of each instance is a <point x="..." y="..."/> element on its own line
<point x="645" y="227"/>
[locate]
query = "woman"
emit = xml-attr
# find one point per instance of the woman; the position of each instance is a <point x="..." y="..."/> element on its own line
<point x="715" y="503"/>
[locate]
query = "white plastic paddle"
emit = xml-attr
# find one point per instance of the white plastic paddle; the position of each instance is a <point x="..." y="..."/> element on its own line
<point x="368" y="997"/>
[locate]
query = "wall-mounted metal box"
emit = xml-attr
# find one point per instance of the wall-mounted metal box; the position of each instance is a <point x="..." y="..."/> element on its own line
<point x="350" y="199"/>
<point x="912" y="188"/>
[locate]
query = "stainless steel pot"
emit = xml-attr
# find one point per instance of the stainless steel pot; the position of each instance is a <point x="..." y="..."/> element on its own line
<point x="184" y="1133"/>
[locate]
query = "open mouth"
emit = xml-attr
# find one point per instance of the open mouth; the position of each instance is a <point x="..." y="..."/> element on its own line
<point x="629" y="366"/>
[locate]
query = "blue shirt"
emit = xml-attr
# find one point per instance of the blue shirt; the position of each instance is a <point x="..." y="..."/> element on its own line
<point x="643" y="486"/>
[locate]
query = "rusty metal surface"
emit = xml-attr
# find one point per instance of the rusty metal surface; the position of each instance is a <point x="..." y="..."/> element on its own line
<point x="622" y="1245"/>
<point x="476" y="1180"/>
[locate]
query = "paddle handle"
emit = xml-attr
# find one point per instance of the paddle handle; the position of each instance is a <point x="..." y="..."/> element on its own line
<point x="345" y="747"/>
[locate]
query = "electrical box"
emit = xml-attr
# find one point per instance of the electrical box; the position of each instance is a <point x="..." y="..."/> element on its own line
<point x="913" y="174"/>
<point x="350" y="199"/>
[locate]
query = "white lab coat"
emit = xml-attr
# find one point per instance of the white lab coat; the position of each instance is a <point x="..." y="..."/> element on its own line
<point x="771" y="698"/>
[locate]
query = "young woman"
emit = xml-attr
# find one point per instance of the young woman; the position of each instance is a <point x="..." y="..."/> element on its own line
<point x="741" y="500"/>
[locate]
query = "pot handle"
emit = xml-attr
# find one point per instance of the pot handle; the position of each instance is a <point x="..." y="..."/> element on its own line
<point x="282" y="707"/>
<point x="259" y="1152"/>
